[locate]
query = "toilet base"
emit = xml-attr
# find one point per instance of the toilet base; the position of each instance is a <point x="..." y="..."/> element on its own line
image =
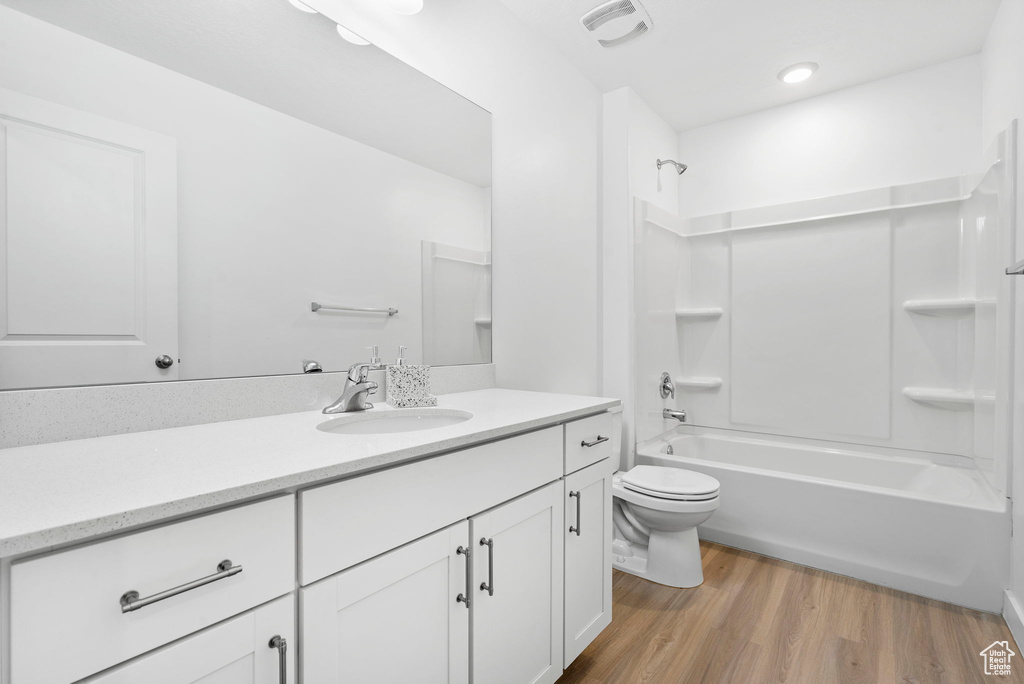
<point x="676" y="558"/>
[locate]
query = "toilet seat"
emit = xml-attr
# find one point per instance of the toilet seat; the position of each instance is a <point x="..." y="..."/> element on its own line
<point x="674" y="484"/>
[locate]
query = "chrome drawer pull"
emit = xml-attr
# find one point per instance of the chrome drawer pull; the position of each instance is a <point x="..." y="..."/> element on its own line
<point x="281" y="644"/>
<point x="597" y="441"/>
<point x="464" y="598"/>
<point x="488" y="586"/>
<point x="576" y="528"/>
<point x="130" y="600"/>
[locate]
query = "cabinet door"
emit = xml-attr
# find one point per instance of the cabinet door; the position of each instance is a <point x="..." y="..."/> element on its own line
<point x="588" y="553"/>
<point x="393" y="619"/>
<point x="517" y="590"/>
<point x="237" y="651"/>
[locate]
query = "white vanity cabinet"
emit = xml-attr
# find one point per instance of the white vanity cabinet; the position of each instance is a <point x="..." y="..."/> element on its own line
<point x="488" y="564"/>
<point x="511" y="589"/>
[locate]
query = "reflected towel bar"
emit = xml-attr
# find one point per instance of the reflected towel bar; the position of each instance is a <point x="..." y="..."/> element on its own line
<point x="1016" y="269"/>
<point x="313" y="306"/>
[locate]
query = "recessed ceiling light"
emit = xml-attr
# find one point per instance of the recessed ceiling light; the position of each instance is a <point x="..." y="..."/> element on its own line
<point x="798" y="72"/>
<point x="297" y="4"/>
<point x="404" y="6"/>
<point x="353" y="38"/>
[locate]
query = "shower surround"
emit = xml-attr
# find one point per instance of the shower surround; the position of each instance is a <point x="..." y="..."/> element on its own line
<point x="875" y="322"/>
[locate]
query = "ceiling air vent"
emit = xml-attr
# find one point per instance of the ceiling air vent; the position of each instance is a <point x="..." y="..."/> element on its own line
<point x="617" y="22"/>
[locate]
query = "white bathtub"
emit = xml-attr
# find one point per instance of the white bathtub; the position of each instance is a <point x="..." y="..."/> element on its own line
<point x="931" y="528"/>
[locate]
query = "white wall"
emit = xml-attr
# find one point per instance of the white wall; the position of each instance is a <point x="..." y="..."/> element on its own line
<point x="634" y="137"/>
<point x="545" y="134"/>
<point x="1003" y="101"/>
<point x="916" y="126"/>
<point x="273" y="212"/>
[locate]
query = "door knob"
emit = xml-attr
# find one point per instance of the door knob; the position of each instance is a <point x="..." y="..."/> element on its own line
<point x="164" y="361"/>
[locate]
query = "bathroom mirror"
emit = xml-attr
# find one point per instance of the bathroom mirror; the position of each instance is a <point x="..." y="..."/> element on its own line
<point x="206" y="189"/>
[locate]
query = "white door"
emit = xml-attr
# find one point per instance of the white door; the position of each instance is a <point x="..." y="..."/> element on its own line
<point x="394" y="619"/>
<point x="588" y="556"/>
<point x="517" y="597"/>
<point x="236" y="651"/>
<point x="88" y="248"/>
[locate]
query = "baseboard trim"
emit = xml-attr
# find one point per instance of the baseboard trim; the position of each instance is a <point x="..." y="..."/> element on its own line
<point x="1014" y="616"/>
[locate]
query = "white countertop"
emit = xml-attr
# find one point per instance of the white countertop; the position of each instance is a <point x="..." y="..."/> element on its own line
<point x="53" y="494"/>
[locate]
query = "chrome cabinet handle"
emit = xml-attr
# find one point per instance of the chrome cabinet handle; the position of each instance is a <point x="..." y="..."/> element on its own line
<point x="488" y="586"/>
<point x="597" y="441"/>
<point x="576" y="528"/>
<point x="281" y="644"/>
<point x="464" y="598"/>
<point x="130" y="600"/>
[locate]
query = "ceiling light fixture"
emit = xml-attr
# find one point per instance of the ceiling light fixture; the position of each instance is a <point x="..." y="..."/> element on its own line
<point x="351" y="37"/>
<point x="404" y="6"/>
<point x="297" y="4"/>
<point x="798" y="72"/>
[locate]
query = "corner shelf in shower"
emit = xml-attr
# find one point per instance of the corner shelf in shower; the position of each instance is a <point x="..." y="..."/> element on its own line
<point x="696" y="383"/>
<point x="699" y="314"/>
<point x="482" y="322"/>
<point x="951" y="399"/>
<point x="953" y="308"/>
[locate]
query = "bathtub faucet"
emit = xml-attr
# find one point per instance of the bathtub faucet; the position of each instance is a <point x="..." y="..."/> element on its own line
<point x="667" y="387"/>
<point x="672" y="413"/>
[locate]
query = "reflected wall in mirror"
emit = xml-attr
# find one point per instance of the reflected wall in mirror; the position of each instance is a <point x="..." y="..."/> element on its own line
<point x="183" y="180"/>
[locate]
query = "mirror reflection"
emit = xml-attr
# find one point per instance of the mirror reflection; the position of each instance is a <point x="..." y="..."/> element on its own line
<point x="197" y="190"/>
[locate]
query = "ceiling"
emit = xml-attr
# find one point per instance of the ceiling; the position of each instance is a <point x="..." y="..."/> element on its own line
<point x="711" y="60"/>
<point x="271" y="53"/>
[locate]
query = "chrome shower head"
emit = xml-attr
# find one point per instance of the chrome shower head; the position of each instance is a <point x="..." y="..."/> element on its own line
<point x="681" y="168"/>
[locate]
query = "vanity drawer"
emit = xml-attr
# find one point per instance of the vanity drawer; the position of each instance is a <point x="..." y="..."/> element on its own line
<point x="589" y="440"/>
<point x="67" y="619"/>
<point x="356" y="519"/>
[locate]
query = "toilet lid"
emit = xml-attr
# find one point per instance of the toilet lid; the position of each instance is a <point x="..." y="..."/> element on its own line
<point x="671" y="483"/>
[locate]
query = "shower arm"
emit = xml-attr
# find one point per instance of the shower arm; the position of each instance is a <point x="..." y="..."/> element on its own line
<point x="681" y="168"/>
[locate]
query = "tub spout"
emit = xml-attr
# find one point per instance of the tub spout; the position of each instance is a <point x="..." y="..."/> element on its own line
<point x="672" y="413"/>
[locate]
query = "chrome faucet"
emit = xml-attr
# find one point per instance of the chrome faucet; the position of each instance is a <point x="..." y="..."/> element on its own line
<point x="672" y="413"/>
<point x="357" y="387"/>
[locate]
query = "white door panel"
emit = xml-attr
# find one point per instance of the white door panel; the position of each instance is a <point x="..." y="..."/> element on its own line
<point x="88" y="247"/>
<point x="588" y="562"/>
<point x="393" y="619"/>
<point x="517" y="629"/>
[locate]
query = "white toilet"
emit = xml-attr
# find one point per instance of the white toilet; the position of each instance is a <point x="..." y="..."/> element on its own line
<point x="656" y="512"/>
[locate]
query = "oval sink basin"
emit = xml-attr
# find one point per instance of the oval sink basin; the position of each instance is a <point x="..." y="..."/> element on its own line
<point x="399" y="420"/>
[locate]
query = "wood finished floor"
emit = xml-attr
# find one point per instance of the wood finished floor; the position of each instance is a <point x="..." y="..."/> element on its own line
<point x="759" y="620"/>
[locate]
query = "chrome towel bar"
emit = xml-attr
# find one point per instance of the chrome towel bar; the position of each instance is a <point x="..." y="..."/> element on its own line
<point x="130" y="600"/>
<point x="1016" y="269"/>
<point x="313" y="306"/>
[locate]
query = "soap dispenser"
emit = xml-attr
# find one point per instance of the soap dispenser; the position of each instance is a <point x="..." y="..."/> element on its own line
<point x="408" y="384"/>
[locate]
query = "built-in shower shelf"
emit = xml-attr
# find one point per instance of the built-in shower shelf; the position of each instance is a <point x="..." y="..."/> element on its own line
<point x="701" y="314"/>
<point x="955" y="400"/>
<point x="482" y="322"/>
<point x="707" y="383"/>
<point x="956" y="308"/>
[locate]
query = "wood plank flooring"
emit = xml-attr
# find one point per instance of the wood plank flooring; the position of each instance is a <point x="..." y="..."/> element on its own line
<point x="758" y="620"/>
